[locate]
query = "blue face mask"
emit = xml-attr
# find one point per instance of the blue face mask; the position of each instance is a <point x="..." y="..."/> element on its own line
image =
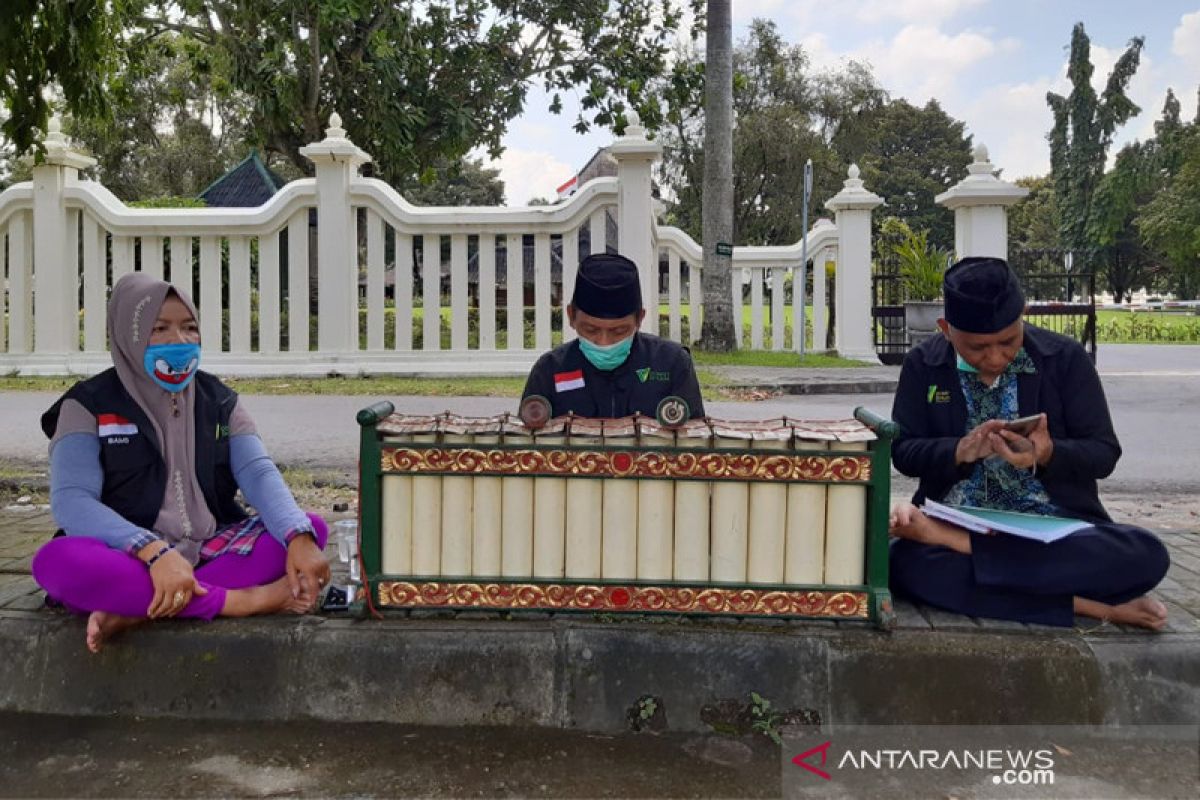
<point x="963" y="365"/>
<point x="606" y="357"/>
<point x="172" y="366"/>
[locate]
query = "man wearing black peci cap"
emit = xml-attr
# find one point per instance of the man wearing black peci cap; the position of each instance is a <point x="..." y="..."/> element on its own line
<point x="612" y="369"/>
<point x="955" y="393"/>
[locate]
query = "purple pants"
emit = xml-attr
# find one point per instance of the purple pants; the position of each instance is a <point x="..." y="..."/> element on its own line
<point x="85" y="574"/>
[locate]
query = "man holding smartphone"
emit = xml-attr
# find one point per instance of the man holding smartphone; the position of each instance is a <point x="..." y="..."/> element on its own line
<point x="999" y="413"/>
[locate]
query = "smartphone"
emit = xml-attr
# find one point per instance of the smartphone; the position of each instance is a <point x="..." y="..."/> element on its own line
<point x="1024" y="425"/>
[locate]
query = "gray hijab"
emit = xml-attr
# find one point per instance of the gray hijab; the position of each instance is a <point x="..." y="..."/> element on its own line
<point x="184" y="519"/>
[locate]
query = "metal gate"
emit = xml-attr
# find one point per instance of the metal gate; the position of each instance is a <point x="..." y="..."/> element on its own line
<point x="1059" y="298"/>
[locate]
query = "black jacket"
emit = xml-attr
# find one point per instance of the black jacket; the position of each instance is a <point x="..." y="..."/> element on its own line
<point x="932" y="415"/>
<point x="656" y="368"/>
<point x="135" y="474"/>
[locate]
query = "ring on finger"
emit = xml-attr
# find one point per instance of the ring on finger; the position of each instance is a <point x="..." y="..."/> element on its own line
<point x="179" y="599"/>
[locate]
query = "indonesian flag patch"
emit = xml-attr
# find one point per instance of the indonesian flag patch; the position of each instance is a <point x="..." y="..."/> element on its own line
<point x="114" y="425"/>
<point x="566" y="381"/>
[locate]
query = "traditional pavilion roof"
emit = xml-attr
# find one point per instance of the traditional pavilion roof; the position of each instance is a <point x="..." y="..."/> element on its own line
<point x="250" y="183"/>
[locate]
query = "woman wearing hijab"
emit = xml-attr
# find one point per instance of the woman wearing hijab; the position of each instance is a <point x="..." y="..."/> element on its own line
<point x="145" y="461"/>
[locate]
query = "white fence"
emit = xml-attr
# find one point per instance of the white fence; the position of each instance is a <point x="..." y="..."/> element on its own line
<point x="338" y="273"/>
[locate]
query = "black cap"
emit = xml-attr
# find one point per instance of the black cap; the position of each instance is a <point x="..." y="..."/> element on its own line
<point x="982" y="295"/>
<point x="608" y="287"/>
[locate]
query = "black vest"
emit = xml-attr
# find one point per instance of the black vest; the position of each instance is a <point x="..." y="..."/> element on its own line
<point x="135" y="474"/>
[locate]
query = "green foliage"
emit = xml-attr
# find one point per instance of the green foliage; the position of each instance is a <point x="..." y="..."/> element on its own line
<point x="170" y="202"/>
<point x="786" y="114"/>
<point x="765" y="720"/>
<point x="1147" y="327"/>
<point x="922" y="266"/>
<point x="176" y="124"/>
<point x="464" y="183"/>
<point x="1034" y="220"/>
<point x="1133" y="181"/>
<point x="417" y="83"/>
<point x="908" y="156"/>
<point x="72" y="44"/>
<point x="1170" y="221"/>
<point x="1083" y="129"/>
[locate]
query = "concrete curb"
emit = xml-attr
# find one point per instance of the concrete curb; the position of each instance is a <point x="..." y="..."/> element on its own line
<point x="884" y="386"/>
<point x="577" y="673"/>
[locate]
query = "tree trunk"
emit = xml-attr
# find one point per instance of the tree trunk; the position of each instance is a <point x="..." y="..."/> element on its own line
<point x="718" y="332"/>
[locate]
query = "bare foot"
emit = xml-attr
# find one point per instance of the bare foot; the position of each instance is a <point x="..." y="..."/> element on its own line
<point x="271" y="598"/>
<point x="911" y="523"/>
<point x="102" y="626"/>
<point x="1144" y="612"/>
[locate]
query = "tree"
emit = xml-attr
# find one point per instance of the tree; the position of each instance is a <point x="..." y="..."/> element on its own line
<point x="1033" y="221"/>
<point x="1133" y="181"/>
<point x="786" y="114"/>
<point x="1170" y="221"/>
<point x="175" y="125"/>
<point x="466" y="183"/>
<point x="910" y="156"/>
<point x="720" y="330"/>
<point x="72" y="44"/>
<point x="1083" y="130"/>
<point x="420" y="82"/>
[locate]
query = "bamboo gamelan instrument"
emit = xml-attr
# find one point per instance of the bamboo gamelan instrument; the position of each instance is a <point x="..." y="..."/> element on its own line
<point x="782" y="518"/>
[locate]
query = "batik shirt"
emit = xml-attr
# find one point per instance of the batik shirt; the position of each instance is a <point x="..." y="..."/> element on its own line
<point x="994" y="483"/>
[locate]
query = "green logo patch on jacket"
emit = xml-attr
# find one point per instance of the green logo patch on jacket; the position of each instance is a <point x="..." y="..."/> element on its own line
<point x="935" y="395"/>
<point x="645" y="375"/>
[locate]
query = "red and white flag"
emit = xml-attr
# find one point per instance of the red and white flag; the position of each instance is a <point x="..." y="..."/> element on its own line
<point x="114" y="425"/>
<point x="566" y="381"/>
<point x="568" y="188"/>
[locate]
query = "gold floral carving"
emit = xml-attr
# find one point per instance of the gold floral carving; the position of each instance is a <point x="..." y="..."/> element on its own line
<point x="628" y="464"/>
<point x="629" y="598"/>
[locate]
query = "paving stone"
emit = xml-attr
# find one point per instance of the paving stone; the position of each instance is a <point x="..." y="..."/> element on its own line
<point x="1001" y="624"/>
<point x="907" y="616"/>
<point x="946" y="621"/>
<point x="15" y="586"/>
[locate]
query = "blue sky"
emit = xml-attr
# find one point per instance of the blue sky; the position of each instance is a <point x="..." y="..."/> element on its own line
<point x="989" y="62"/>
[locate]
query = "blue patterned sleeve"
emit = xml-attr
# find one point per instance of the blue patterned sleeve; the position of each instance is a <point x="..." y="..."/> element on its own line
<point x="76" y="480"/>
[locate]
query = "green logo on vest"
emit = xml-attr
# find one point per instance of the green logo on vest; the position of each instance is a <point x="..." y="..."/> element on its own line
<point x="645" y="374"/>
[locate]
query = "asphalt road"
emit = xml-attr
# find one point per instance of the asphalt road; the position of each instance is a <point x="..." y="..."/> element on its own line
<point x="1152" y="391"/>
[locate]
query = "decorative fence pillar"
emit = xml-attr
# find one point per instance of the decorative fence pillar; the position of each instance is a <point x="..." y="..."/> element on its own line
<point x="635" y="155"/>
<point x="852" y="301"/>
<point x="980" y="203"/>
<point x="337" y="160"/>
<point x="55" y="244"/>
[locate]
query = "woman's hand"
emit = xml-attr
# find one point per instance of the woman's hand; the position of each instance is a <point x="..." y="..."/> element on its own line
<point x="307" y="569"/>
<point x="174" y="582"/>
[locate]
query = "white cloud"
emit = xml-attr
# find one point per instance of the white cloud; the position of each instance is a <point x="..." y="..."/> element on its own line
<point x="1012" y="121"/>
<point x="923" y="62"/>
<point x="531" y="173"/>
<point x="1185" y="40"/>
<point x="917" y="11"/>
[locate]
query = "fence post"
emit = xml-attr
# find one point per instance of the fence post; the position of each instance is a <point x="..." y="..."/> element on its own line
<point x="337" y="160"/>
<point x="980" y="204"/>
<point x="852" y="300"/>
<point x="635" y="155"/>
<point x="55" y="267"/>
